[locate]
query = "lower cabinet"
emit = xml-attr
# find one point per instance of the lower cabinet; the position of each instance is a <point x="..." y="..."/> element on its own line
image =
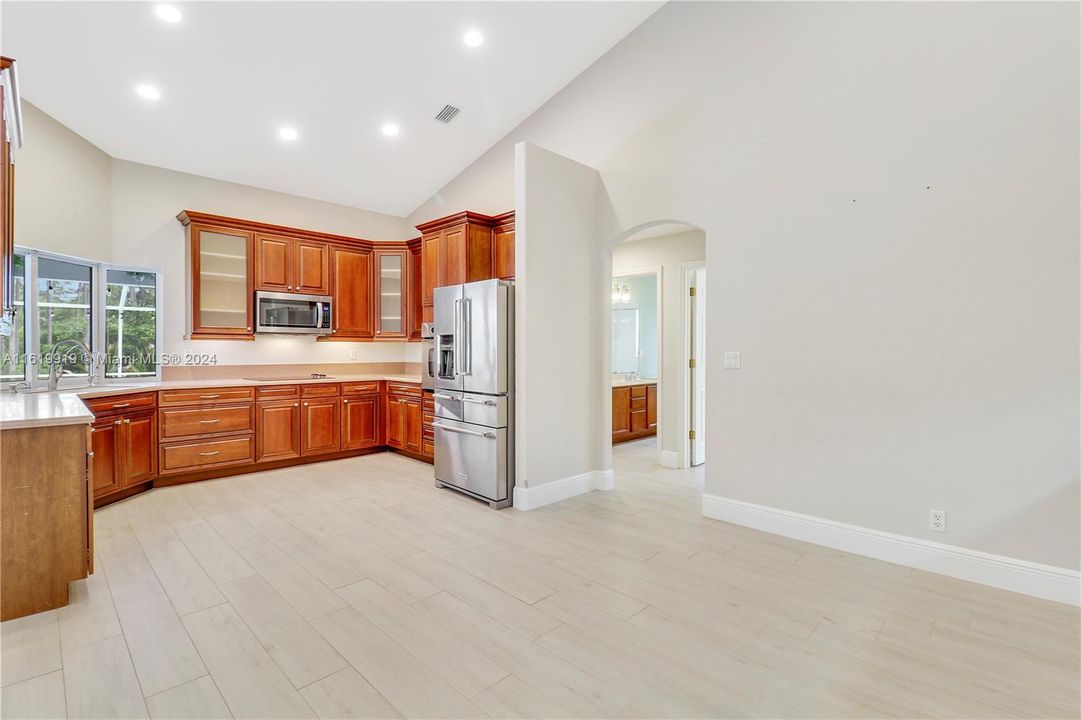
<point x="320" y="425"/>
<point x="360" y="422"/>
<point x="634" y="412"/>
<point x="277" y="425"/>
<point x="125" y="451"/>
<point x="404" y="422"/>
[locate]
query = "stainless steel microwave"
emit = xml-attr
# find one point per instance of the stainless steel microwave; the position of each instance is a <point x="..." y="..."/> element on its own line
<point x="292" y="313"/>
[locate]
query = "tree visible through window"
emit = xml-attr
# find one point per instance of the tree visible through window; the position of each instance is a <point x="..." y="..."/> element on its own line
<point x="64" y="295"/>
<point x="131" y="323"/>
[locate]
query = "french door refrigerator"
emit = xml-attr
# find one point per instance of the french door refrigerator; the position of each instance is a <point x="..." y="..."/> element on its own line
<point x="474" y="390"/>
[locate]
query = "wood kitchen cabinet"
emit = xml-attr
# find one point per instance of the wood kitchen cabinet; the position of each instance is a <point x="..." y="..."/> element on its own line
<point x="125" y="451"/>
<point x="416" y="289"/>
<point x="456" y="249"/>
<point x="277" y="434"/>
<point x="392" y="299"/>
<point x="405" y="421"/>
<point x="503" y="246"/>
<point x="10" y="140"/>
<point x="284" y="264"/>
<point x="360" y="422"/>
<point x="221" y="281"/>
<point x="320" y="425"/>
<point x="634" y="411"/>
<point x="351" y="285"/>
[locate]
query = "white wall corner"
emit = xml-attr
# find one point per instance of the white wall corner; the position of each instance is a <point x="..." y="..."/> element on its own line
<point x="1044" y="581"/>
<point x="668" y="458"/>
<point x="557" y="490"/>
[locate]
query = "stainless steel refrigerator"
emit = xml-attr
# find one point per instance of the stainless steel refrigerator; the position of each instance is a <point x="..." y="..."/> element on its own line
<point x="474" y="390"/>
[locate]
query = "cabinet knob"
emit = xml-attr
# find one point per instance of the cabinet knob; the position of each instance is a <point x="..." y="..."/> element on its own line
<point x="117" y="422"/>
<point x="249" y="328"/>
<point x="298" y="404"/>
<point x="345" y="401"/>
<point x="289" y="287"/>
<point x="305" y="404"/>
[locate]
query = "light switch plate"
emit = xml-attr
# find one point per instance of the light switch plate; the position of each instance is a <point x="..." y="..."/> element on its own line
<point x="733" y="360"/>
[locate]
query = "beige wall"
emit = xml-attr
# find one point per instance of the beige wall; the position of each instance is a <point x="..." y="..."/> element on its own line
<point x="669" y="253"/>
<point x="72" y="198"/>
<point x="62" y="198"/>
<point x="890" y="196"/>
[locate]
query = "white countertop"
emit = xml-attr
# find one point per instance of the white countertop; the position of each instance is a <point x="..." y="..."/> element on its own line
<point x="65" y="407"/>
<point x="639" y="381"/>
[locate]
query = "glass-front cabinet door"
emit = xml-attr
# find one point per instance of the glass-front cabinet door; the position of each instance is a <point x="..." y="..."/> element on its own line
<point x="221" y="282"/>
<point x="390" y="284"/>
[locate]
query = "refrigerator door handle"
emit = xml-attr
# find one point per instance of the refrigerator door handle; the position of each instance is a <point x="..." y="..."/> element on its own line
<point x="456" y="347"/>
<point x="441" y="396"/>
<point x="489" y="435"/>
<point x="490" y="403"/>
<point x="467" y="336"/>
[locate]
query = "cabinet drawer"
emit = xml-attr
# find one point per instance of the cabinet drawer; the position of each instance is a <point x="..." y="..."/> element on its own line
<point x="187" y="422"/>
<point x="394" y="388"/>
<point x="120" y="403"/>
<point x="428" y="403"/>
<point x="322" y="390"/>
<point x="427" y="445"/>
<point x="205" y="396"/>
<point x="638" y="403"/>
<point x="188" y="456"/>
<point x="361" y="388"/>
<point x="274" y="392"/>
<point x="638" y="391"/>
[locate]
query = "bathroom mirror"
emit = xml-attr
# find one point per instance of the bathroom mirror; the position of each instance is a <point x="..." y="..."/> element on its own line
<point x="624" y="338"/>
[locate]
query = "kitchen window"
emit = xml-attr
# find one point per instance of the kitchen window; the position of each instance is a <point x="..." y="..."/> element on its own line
<point x="113" y="310"/>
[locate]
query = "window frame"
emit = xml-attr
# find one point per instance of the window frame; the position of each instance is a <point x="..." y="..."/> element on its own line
<point x="98" y="295"/>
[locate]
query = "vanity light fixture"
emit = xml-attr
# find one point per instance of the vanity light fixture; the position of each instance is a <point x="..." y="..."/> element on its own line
<point x="620" y="293"/>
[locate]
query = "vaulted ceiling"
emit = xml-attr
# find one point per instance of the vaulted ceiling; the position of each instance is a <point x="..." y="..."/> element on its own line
<point x="231" y="75"/>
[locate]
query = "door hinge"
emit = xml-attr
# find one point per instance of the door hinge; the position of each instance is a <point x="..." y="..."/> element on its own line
<point x="691" y="434"/>
<point x="692" y="292"/>
<point x="690" y="363"/>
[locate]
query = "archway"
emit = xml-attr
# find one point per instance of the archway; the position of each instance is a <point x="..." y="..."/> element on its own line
<point x="671" y="249"/>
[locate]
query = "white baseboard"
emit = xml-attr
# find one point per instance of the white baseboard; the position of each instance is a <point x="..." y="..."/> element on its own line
<point x="668" y="458"/>
<point x="1045" y="581"/>
<point x="568" y="487"/>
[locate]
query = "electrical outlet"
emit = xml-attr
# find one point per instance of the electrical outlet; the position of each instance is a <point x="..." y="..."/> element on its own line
<point x="733" y="360"/>
<point x="937" y="521"/>
<point x="353" y="354"/>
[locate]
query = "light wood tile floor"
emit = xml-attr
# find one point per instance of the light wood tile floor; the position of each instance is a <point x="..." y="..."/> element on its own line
<point x="355" y="588"/>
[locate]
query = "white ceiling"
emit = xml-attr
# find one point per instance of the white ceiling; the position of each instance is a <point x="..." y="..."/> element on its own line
<point x="232" y="73"/>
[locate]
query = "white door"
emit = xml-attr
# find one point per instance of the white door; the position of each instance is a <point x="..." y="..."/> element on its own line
<point x="698" y="372"/>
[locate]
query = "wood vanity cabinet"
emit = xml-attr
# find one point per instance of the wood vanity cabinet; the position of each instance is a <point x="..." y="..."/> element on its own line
<point x="634" y="411"/>
<point x="284" y="264"/>
<point x="351" y="286"/>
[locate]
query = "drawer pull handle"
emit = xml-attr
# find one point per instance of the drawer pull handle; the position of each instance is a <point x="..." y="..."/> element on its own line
<point x="479" y="402"/>
<point x="208" y="422"/>
<point x="208" y="454"/>
<point x="120" y="405"/>
<point x="208" y="397"/>
<point x="447" y="397"/>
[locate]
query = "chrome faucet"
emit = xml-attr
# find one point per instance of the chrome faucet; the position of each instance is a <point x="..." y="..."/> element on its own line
<point x="56" y="362"/>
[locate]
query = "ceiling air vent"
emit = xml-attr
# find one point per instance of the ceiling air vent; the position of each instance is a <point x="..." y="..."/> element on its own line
<point x="448" y="113"/>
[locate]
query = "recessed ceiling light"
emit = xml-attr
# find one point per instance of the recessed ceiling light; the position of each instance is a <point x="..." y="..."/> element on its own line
<point x="473" y="38"/>
<point x="148" y="92"/>
<point x="168" y="13"/>
<point x="288" y="133"/>
<point x="390" y="129"/>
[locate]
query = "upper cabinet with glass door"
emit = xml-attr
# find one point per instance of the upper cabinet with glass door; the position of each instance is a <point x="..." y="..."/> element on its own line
<point x="390" y="272"/>
<point x="221" y="282"/>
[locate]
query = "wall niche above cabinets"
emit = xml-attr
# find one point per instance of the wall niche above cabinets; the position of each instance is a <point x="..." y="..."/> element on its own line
<point x="375" y="285"/>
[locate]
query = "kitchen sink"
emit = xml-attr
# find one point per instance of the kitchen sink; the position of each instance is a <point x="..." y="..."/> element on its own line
<point x="289" y="378"/>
